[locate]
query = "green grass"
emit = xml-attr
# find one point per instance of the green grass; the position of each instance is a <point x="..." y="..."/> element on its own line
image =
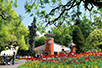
<point x="23" y="66"/>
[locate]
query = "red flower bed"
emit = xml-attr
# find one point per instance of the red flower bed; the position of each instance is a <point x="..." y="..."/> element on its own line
<point x="76" y="58"/>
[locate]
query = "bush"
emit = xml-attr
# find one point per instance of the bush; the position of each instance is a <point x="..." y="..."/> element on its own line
<point x="40" y="41"/>
<point x="21" y="52"/>
<point x="33" y="53"/>
<point x="94" y="40"/>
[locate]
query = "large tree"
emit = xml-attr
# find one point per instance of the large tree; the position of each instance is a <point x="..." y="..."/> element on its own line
<point x="78" y="39"/>
<point x="12" y="31"/>
<point x="32" y="36"/>
<point x="60" y="10"/>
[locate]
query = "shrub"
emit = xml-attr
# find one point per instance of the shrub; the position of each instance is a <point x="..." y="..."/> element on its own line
<point x="94" y="40"/>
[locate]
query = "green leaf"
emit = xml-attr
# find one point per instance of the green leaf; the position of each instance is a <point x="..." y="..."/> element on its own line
<point x="41" y="2"/>
<point x="46" y="1"/>
<point x="95" y="12"/>
<point x="34" y="4"/>
<point x="54" y="1"/>
<point x="43" y="12"/>
<point x="31" y="15"/>
<point x="53" y="19"/>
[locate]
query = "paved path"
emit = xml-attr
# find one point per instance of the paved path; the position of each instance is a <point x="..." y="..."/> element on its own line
<point x="17" y="63"/>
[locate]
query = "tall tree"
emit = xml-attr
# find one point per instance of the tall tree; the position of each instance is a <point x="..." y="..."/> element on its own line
<point x="4" y="36"/>
<point x="32" y="36"/>
<point x="12" y="31"/>
<point x="86" y="27"/>
<point x="18" y="31"/>
<point x="78" y="39"/>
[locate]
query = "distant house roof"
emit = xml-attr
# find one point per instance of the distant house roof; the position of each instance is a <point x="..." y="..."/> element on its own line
<point x="71" y="44"/>
<point x="40" y="48"/>
<point x="57" y="48"/>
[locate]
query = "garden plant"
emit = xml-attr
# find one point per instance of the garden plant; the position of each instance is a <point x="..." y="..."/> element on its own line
<point x="91" y="59"/>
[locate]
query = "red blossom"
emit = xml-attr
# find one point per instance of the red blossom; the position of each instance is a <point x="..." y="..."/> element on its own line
<point x="72" y="59"/>
<point x="100" y="57"/>
<point x="81" y="59"/>
<point x="56" y="59"/>
<point x="96" y="57"/>
<point x="27" y="59"/>
<point x="32" y="59"/>
<point x="90" y="60"/>
<point x="64" y="59"/>
<point x="43" y="60"/>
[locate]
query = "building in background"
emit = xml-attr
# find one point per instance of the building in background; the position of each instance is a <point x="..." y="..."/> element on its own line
<point x="57" y="49"/>
<point x="10" y="51"/>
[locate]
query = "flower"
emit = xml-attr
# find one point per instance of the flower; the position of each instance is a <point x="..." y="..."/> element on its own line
<point x="88" y="66"/>
<point x="59" y="67"/>
<point x="100" y="57"/>
<point x="62" y="66"/>
<point x="96" y="57"/>
<point x="67" y="66"/>
<point x="36" y="65"/>
<point x="96" y="66"/>
<point x="30" y="65"/>
<point x="84" y="67"/>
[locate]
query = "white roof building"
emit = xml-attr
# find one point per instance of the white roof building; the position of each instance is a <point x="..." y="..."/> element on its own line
<point x="10" y="51"/>
<point x="57" y="48"/>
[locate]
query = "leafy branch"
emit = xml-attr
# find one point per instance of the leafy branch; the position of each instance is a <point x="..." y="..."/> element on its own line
<point x="69" y="6"/>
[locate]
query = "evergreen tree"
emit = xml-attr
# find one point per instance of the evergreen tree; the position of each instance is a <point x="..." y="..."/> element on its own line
<point x="78" y="39"/>
<point x="32" y="36"/>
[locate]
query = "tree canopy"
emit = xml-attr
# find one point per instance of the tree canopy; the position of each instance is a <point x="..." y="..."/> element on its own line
<point x="94" y="40"/>
<point x="40" y="41"/>
<point x="59" y="11"/>
<point x="12" y="31"/>
<point x="62" y="35"/>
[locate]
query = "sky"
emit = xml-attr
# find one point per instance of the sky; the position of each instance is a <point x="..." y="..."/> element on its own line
<point x="27" y="20"/>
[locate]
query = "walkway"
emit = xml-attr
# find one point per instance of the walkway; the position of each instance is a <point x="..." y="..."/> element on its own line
<point x="17" y="63"/>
